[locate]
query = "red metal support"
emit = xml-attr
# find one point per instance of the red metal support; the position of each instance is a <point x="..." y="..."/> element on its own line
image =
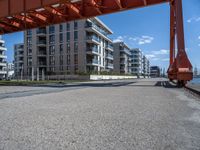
<point x="180" y="68"/>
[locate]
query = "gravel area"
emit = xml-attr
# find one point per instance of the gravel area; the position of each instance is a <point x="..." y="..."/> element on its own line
<point x="147" y="114"/>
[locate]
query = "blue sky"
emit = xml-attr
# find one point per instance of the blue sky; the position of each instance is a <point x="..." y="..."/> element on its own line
<point x="148" y="29"/>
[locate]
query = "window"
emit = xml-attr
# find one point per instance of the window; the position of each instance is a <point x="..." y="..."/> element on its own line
<point x="29" y="40"/>
<point x="29" y="32"/>
<point x="61" y="49"/>
<point x="76" y="69"/>
<point x="52" y="39"/>
<point x="75" y="25"/>
<point x="61" y="28"/>
<point x="68" y="48"/>
<point x="51" y="50"/>
<point x="61" y="60"/>
<point x="76" y="59"/>
<point x="51" y="29"/>
<point x="68" y="36"/>
<point x="75" y="35"/>
<point x="52" y="60"/>
<point x="68" y="26"/>
<point x="61" y="37"/>
<point x="75" y="47"/>
<point x="68" y="59"/>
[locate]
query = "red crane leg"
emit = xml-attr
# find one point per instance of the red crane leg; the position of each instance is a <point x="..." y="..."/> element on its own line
<point x="172" y="64"/>
<point x="184" y="67"/>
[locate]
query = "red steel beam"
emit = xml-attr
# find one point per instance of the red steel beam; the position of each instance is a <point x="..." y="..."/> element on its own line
<point x="73" y="9"/>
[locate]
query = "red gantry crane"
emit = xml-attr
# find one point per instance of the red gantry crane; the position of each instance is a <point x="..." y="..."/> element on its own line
<point x="19" y="15"/>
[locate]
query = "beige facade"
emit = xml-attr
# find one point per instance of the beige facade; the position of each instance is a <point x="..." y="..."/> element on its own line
<point x="68" y="48"/>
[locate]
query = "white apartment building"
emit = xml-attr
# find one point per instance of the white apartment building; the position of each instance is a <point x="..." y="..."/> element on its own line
<point x="122" y="58"/>
<point x="146" y="66"/>
<point x="68" y="48"/>
<point x="2" y="58"/>
<point x="136" y="64"/>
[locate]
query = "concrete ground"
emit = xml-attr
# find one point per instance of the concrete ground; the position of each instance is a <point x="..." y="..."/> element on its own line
<point x="147" y="114"/>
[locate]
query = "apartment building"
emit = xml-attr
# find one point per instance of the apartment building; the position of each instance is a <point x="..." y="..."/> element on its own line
<point x="136" y="64"/>
<point x="2" y="58"/>
<point x="145" y="66"/>
<point x="68" y="48"/>
<point x="155" y="71"/>
<point x="122" y="58"/>
<point x="18" y="59"/>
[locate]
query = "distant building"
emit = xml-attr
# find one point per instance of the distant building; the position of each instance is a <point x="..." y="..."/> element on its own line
<point x="122" y="58"/>
<point x="2" y="58"/>
<point x="136" y="64"/>
<point x="9" y="70"/>
<point x="154" y="71"/>
<point x="195" y="72"/>
<point x="145" y="66"/>
<point x="18" y="60"/>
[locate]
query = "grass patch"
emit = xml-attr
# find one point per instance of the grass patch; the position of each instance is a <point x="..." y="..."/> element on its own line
<point x="30" y="83"/>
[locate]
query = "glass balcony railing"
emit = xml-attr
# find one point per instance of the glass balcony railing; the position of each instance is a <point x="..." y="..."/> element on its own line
<point x="109" y="46"/>
<point x="93" y="61"/>
<point x="41" y="42"/>
<point x="92" y="25"/>
<point x="93" y="38"/>
<point x="109" y="55"/>
<point x="93" y="49"/>
<point x="41" y="31"/>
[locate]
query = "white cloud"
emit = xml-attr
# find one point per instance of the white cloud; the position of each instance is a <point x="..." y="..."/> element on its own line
<point x="193" y="19"/>
<point x="161" y="52"/>
<point x="119" y="39"/>
<point x="165" y="59"/>
<point x="144" y="39"/>
<point x="199" y="37"/>
<point x="150" y="56"/>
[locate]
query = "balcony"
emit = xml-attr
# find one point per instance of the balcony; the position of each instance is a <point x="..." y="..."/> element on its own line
<point x="3" y="56"/>
<point x="41" y="32"/>
<point x="93" y="39"/>
<point x="109" y="56"/>
<point x="93" y="62"/>
<point x="109" y="66"/>
<point x="91" y="27"/>
<point x="92" y="50"/>
<point x="3" y="48"/>
<point x="3" y="72"/>
<point x="109" y="47"/>
<point x="42" y="64"/>
<point x="41" y="54"/>
<point x="41" y="43"/>
<point x="3" y="64"/>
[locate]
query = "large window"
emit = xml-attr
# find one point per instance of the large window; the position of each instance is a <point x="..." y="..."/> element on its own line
<point x="75" y="25"/>
<point x="75" y="35"/>
<point x="51" y="50"/>
<point x="68" y="59"/>
<point x="68" y="48"/>
<point x="76" y="59"/>
<point x="61" y="37"/>
<point x="51" y="29"/>
<point x="68" y="26"/>
<point x="52" y="60"/>
<point x="61" y="49"/>
<point x="68" y="36"/>
<point x="75" y="47"/>
<point x="52" y="39"/>
<point x="61" y="28"/>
